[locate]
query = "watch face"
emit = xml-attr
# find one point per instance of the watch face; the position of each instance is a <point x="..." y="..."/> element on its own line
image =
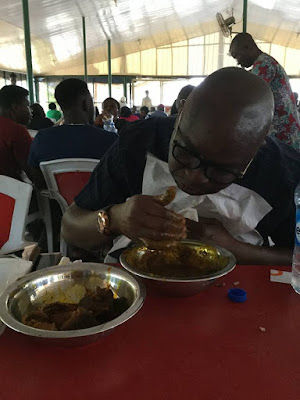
<point x="103" y="222"/>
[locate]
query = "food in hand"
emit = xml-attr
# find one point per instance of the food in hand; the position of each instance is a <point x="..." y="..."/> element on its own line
<point x="165" y="199"/>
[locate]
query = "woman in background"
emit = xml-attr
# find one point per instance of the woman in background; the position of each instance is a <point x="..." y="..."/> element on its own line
<point x="127" y="115"/>
<point x="39" y="119"/>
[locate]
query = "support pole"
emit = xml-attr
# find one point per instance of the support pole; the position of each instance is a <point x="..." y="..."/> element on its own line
<point x="130" y="94"/>
<point x="109" y="66"/>
<point x="221" y="51"/>
<point x="37" y="90"/>
<point x="245" y="10"/>
<point x="132" y="91"/>
<point x="28" y="49"/>
<point x="125" y="88"/>
<point x="84" y="50"/>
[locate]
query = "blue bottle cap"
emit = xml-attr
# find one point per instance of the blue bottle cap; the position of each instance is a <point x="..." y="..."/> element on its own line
<point x="237" y="295"/>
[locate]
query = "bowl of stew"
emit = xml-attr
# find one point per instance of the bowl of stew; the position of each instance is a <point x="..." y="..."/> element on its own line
<point x="183" y="269"/>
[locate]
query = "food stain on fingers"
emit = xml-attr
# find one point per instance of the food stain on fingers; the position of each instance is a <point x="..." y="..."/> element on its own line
<point x="176" y="217"/>
<point x="178" y="230"/>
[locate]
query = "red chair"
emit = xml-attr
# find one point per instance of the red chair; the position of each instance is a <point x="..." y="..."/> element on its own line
<point x="14" y="204"/>
<point x="65" y="178"/>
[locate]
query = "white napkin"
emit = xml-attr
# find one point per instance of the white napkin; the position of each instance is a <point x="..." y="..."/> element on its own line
<point x="238" y="208"/>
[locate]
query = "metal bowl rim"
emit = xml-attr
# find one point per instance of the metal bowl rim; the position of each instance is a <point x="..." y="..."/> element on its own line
<point x="224" y="252"/>
<point x="16" y="325"/>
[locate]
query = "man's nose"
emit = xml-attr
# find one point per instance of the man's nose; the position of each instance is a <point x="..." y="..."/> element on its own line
<point x="196" y="175"/>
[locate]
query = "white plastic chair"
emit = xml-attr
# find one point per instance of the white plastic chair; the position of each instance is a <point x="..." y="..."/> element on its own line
<point x="43" y="212"/>
<point x="65" y="178"/>
<point x="14" y="204"/>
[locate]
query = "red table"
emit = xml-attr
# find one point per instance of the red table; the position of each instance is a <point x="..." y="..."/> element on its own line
<point x="202" y="347"/>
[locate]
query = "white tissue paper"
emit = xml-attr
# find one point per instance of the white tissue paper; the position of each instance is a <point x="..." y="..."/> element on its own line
<point x="238" y="209"/>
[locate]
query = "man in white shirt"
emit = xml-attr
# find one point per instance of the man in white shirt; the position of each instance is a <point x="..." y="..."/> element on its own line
<point x="146" y="100"/>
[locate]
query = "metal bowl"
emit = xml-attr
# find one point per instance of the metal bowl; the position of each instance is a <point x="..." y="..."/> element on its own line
<point x="219" y="260"/>
<point x="64" y="283"/>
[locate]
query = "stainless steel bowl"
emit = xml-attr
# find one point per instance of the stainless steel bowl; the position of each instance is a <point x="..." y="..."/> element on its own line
<point x="53" y="284"/>
<point x="221" y="258"/>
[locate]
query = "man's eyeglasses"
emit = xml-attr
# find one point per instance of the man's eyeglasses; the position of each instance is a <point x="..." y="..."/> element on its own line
<point x="191" y="160"/>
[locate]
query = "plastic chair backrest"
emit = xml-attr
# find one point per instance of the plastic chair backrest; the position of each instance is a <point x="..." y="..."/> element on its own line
<point x="14" y="204"/>
<point x="71" y="183"/>
<point x="66" y="177"/>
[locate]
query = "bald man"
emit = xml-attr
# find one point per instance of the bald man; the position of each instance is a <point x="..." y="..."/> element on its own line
<point x="285" y="125"/>
<point x="220" y="137"/>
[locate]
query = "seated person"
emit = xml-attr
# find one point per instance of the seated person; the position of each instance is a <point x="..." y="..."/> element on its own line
<point x="77" y="137"/>
<point x="39" y="120"/>
<point x="123" y="102"/>
<point x="15" y="140"/>
<point x="53" y="113"/>
<point x="219" y="138"/>
<point x="152" y="110"/>
<point x="110" y="108"/>
<point x="135" y="111"/>
<point x="160" y="112"/>
<point x="144" y="112"/>
<point x="127" y="115"/>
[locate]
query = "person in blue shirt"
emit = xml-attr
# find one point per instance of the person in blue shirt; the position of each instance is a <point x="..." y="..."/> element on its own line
<point x="160" y="112"/>
<point x="77" y="137"/>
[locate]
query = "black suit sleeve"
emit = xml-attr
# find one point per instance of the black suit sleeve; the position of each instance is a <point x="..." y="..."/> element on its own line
<point x="107" y="184"/>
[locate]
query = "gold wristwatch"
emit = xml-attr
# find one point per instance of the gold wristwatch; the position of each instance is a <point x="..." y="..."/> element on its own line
<point x="103" y="221"/>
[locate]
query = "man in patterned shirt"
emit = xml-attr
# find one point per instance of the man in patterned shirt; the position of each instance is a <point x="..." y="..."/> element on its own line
<point x="285" y="125"/>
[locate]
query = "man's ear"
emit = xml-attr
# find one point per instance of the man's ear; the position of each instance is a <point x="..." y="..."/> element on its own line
<point x="181" y="105"/>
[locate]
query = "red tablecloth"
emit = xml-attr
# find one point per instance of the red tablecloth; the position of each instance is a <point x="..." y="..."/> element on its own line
<point x="202" y="347"/>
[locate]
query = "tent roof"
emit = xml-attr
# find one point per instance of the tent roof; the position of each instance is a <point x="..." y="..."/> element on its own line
<point x="132" y="26"/>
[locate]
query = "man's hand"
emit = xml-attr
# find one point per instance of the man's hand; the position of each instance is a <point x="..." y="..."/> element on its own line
<point x="142" y="216"/>
<point x="145" y="217"/>
<point x="101" y="118"/>
<point x="210" y="231"/>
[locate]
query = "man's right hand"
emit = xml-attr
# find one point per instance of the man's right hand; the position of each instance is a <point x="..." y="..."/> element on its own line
<point x="145" y="217"/>
<point x="101" y="118"/>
